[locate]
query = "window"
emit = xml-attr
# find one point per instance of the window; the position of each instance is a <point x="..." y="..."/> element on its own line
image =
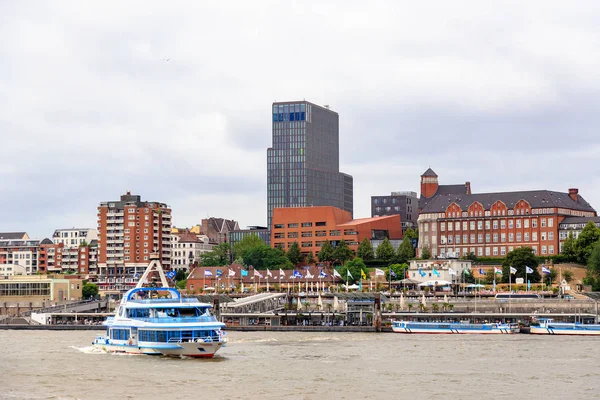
<point x="518" y="236"/>
<point x="551" y="249"/>
<point x="443" y="226"/>
<point x="279" y="235"/>
<point x="307" y="244"/>
<point x="550" y="234"/>
<point x="457" y="239"/>
<point x="321" y="223"/>
<point x="510" y="224"/>
<point x="472" y="238"/>
<point x="450" y="226"/>
<point x="503" y="237"/>
<point x="293" y="225"/>
<point x="495" y="224"/>
<point x="465" y="239"/>
<point x="518" y="223"/>
<point x="495" y="238"/>
<point x="543" y="224"/>
<point x="464" y="225"/>
<point x="503" y="224"/>
<point x="511" y="237"/>
<point x="502" y="251"/>
<point x="292" y="235"/>
<point x="350" y="232"/>
<point x="472" y="225"/>
<point x="526" y="223"/>
<point x="487" y="224"/>
<point x="526" y="236"/>
<point x="534" y="236"/>
<point x="544" y="251"/>
<point x="487" y="251"/>
<point x="534" y="249"/>
<point x="306" y="224"/>
<point x="480" y="251"/>
<point x="495" y="251"/>
<point x="278" y="226"/>
<point x="307" y="234"/>
<point x="487" y="237"/>
<point x="334" y="233"/>
<point x="543" y="236"/>
<point x="479" y="225"/>
<point x="457" y="226"/>
<point x="320" y="233"/>
<point x="480" y="238"/>
<point x="534" y="223"/>
<point x="550" y="224"/>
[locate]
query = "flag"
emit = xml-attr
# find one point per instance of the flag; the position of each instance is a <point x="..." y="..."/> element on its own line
<point x="171" y="274"/>
<point x="513" y="270"/>
<point x="308" y="275"/>
<point x="362" y="274"/>
<point x="244" y="272"/>
<point x="335" y="273"/>
<point x="231" y="272"/>
<point x="406" y="274"/>
<point x="379" y="272"/>
<point x="451" y="271"/>
<point x="497" y="271"/>
<point x="297" y="274"/>
<point x="421" y="272"/>
<point x="528" y="270"/>
<point x="219" y="273"/>
<point x="256" y="273"/>
<point x="281" y="273"/>
<point x="348" y="274"/>
<point x="269" y="273"/>
<point x="322" y="274"/>
<point x="207" y="273"/>
<point x="546" y="270"/>
<point x="481" y="271"/>
<point x="136" y="276"/>
<point x="435" y="272"/>
<point x="392" y="273"/>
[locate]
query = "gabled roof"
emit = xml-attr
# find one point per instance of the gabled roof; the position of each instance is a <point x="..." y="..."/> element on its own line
<point x="580" y="220"/>
<point x="460" y="189"/>
<point x="13" y="235"/>
<point x="536" y="199"/>
<point x="429" y="172"/>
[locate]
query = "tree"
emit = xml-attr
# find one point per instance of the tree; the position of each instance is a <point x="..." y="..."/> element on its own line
<point x="520" y="259"/>
<point x="490" y="275"/>
<point x="385" y="251"/>
<point x="411" y="233"/>
<point x="399" y="270"/>
<point x="568" y="248"/>
<point x="405" y="251"/>
<point x="325" y="255"/>
<point x="265" y="257"/>
<point x="467" y="276"/>
<point x="294" y="254"/>
<point x="310" y="258"/>
<point x="355" y="267"/>
<point x="180" y="275"/>
<point x="471" y="256"/>
<point x="89" y="290"/>
<point x="342" y="252"/>
<point x="587" y="239"/>
<point x="246" y="244"/>
<point x="217" y="257"/>
<point x="425" y="253"/>
<point x="365" y="250"/>
<point x="567" y="276"/>
<point x="592" y="276"/>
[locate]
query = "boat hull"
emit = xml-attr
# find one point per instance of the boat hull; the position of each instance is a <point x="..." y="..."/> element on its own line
<point x="183" y="349"/>
<point x="536" y="330"/>
<point x="455" y="328"/>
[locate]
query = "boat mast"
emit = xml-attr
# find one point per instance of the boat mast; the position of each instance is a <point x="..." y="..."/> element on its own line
<point x="153" y="266"/>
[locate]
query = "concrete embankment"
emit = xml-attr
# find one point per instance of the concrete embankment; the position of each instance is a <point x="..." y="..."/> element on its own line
<point x="251" y="328"/>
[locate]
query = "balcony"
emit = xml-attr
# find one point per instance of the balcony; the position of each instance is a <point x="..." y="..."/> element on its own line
<point x="115" y="214"/>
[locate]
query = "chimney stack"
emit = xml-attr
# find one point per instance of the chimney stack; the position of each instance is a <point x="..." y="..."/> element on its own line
<point x="468" y="186"/>
<point x="573" y="193"/>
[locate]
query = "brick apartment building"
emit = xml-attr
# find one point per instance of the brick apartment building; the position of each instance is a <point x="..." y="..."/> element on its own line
<point x="129" y="230"/>
<point x="492" y="224"/>
<point x="312" y="226"/>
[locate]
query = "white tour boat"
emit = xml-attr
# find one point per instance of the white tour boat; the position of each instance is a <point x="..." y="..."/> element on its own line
<point x="159" y="321"/>
<point x="453" y="327"/>
<point x="545" y="326"/>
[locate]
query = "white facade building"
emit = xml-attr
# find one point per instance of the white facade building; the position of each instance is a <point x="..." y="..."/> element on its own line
<point x="74" y="237"/>
<point x="187" y="249"/>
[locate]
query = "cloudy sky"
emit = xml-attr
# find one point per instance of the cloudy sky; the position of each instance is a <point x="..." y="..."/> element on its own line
<point x="172" y="100"/>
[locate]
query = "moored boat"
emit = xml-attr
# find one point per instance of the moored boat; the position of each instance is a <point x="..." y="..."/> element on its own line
<point x="453" y="327"/>
<point x="159" y="321"/>
<point x="546" y="326"/>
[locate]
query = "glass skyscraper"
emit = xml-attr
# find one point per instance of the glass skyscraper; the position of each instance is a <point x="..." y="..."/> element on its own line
<point x="303" y="162"/>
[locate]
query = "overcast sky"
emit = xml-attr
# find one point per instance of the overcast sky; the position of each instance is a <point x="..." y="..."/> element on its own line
<point x="172" y="100"/>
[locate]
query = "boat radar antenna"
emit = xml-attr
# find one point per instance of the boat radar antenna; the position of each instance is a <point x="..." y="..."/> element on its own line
<point x="153" y="266"/>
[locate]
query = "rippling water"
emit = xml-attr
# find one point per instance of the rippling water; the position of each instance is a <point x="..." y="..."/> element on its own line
<point x="269" y="365"/>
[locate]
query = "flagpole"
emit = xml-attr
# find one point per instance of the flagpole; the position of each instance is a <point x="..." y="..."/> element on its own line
<point x="526" y="288"/>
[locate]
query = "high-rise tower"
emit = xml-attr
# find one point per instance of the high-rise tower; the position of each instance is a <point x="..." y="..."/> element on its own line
<point x="303" y="162"/>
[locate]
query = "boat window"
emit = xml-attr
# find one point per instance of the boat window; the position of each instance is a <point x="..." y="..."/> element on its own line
<point x="189" y="312"/>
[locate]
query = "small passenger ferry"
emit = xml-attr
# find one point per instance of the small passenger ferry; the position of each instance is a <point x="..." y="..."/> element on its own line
<point x="453" y="327"/>
<point x="159" y="321"/>
<point x="546" y="326"/>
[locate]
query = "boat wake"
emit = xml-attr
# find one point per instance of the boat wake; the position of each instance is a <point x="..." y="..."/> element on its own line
<point x="89" y="350"/>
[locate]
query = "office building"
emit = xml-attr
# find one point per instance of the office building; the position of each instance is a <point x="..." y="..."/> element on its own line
<point x="405" y="204"/>
<point x="303" y="162"/>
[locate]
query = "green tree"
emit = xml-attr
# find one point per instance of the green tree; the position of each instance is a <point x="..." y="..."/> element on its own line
<point x="181" y="285"/>
<point x="294" y="254"/>
<point x="568" y="248"/>
<point x="520" y="259"/>
<point x="567" y="276"/>
<point x="410" y="233"/>
<point x="425" y="253"/>
<point x="592" y="276"/>
<point x="89" y="290"/>
<point x="325" y="255"/>
<point x="355" y="267"/>
<point x="217" y="257"/>
<point x="467" y="276"/>
<point x="265" y="257"/>
<point x="471" y="256"/>
<point x="365" y="250"/>
<point x="405" y="251"/>
<point x="385" y="251"/>
<point x="342" y="253"/>
<point x="310" y="258"/>
<point x="490" y="275"/>
<point x="180" y="275"/>
<point x="246" y="244"/>
<point x="587" y="239"/>
<point x="399" y="270"/>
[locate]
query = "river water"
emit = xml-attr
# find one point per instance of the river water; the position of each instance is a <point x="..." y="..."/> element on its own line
<point x="295" y="365"/>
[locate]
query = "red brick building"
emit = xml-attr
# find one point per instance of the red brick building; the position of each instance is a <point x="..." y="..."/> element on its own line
<point x="493" y="224"/>
<point x="310" y="227"/>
